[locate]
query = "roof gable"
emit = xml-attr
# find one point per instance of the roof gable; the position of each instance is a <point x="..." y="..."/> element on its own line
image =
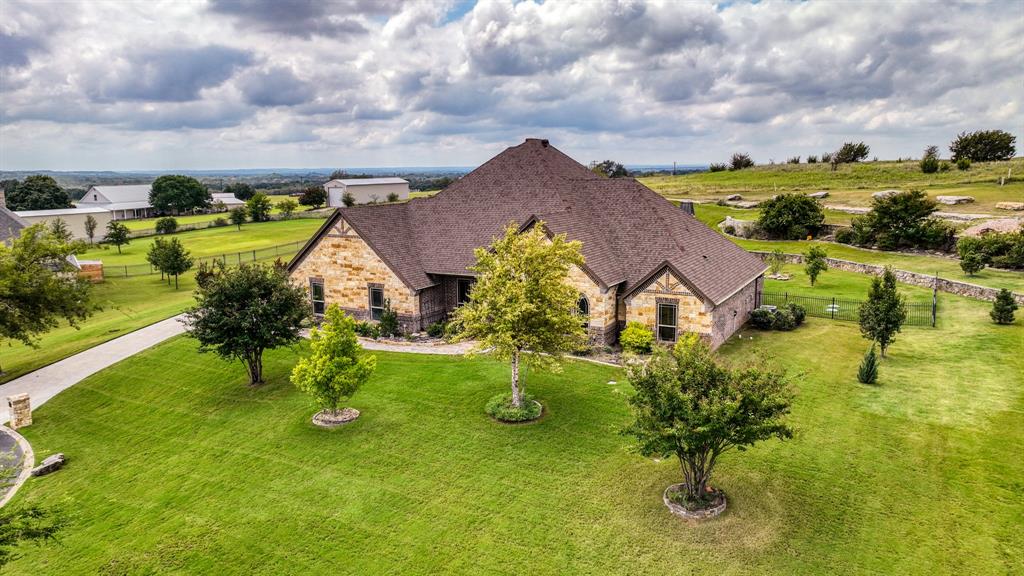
<point x="118" y="194"/>
<point x="628" y="231"/>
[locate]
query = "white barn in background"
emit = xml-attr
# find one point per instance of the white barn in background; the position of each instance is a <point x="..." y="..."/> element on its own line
<point x="366" y="190"/>
<point x="123" y="202"/>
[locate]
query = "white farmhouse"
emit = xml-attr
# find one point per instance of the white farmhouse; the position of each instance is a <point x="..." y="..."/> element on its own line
<point x="366" y="190"/>
<point x="123" y="202"/>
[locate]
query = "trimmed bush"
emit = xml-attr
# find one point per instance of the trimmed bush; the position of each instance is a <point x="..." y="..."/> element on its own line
<point x="972" y="263"/>
<point x="845" y="236"/>
<point x="367" y="330"/>
<point x="388" y="322"/>
<point x="963" y="163"/>
<point x="500" y="408"/>
<point x="762" y="319"/>
<point x="999" y="249"/>
<point x="218" y="222"/>
<point x="729" y="229"/>
<point x="783" y="320"/>
<point x="166" y="225"/>
<point x="437" y="329"/>
<point x="929" y="165"/>
<point x="903" y="220"/>
<point x="868" y="371"/>
<point x="637" y="338"/>
<point x="799" y="312"/>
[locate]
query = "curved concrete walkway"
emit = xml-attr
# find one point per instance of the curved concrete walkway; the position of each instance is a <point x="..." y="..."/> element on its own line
<point x="19" y="460"/>
<point x="51" y="380"/>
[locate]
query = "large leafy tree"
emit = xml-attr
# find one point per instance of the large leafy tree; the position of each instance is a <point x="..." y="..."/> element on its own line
<point x="170" y="257"/>
<point x="689" y="406"/>
<point x="38" y="285"/>
<point x="313" y="196"/>
<point x="522" y="307"/>
<point x="37" y="193"/>
<point x="884" y="313"/>
<point x="241" y="312"/>
<point x="791" y="216"/>
<point x="174" y="192"/>
<point x="902" y="219"/>
<point x="610" y="169"/>
<point x="336" y="366"/>
<point x="983" y="146"/>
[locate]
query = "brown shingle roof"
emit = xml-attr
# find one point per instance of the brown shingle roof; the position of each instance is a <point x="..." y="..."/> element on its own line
<point x="628" y="231"/>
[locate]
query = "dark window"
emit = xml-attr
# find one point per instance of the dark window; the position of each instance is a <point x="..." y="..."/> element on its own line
<point x="464" y="285"/>
<point x="316" y="290"/>
<point x="94" y="197"/>
<point x="583" y="306"/>
<point x="667" y="322"/>
<point x="376" y="303"/>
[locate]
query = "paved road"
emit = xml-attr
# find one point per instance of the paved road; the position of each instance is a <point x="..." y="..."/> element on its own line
<point x="49" y="381"/>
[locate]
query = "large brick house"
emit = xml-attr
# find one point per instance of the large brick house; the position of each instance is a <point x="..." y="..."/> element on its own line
<point x="646" y="259"/>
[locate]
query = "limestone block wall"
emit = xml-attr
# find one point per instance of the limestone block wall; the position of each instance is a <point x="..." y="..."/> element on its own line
<point x="603" y="325"/>
<point x="693" y="314"/>
<point x="906" y="277"/>
<point x="347" y="266"/>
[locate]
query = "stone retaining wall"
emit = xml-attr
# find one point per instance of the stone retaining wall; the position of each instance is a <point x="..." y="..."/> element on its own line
<point x="913" y="278"/>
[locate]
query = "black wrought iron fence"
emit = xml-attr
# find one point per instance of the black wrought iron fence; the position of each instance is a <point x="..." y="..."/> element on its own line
<point x="282" y="251"/>
<point x="918" y="313"/>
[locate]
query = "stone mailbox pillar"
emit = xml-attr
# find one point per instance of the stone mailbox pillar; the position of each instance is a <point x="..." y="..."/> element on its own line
<point x="21" y="410"/>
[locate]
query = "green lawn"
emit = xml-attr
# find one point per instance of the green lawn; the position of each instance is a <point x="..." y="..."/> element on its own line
<point x="150" y="223"/>
<point x="213" y="241"/>
<point x="712" y="214"/>
<point x="128" y="304"/>
<point x="852" y="184"/>
<point x="176" y="466"/>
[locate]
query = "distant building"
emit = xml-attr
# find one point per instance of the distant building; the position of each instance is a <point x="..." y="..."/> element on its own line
<point x="366" y="190"/>
<point x="228" y="199"/>
<point x="74" y="217"/>
<point x="10" y="223"/>
<point x="123" y="202"/>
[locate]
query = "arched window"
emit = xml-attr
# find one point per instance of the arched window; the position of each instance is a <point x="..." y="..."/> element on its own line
<point x="583" y="307"/>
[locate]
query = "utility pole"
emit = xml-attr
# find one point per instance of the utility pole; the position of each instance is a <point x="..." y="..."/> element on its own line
<point x="673" y="167"/>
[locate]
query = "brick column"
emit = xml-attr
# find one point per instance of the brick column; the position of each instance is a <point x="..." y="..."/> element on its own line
<point x="21" y="410"/>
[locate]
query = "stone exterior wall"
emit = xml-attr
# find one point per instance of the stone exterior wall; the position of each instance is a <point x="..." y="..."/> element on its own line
<point x="733" y="313"/>
<point x="603" y="327"/>
<point x="347" y="266"/>
<point x="693" y="314"/>
<point x="913" y="278"/>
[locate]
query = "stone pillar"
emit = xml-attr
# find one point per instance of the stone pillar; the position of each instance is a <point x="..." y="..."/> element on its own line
<point x="21" y="410"/>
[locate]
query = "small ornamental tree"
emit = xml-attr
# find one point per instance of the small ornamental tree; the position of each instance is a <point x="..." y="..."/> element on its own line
<point x="287" y="207"/>
<point x="59" y="229"/>
<point x="930" y="161"/>
<point x="776" y="261"/>
<point x="522" y="306"/>
<point x="815" y="262"/>
<point x="90" y="227"/>
<point x="313" y="196"/>
<point x="259" y="207"/>
<point x="868" y="371"/>
<point x="175" y="260"/>
<point x="689" y="406"/>
<point x="174" y="192"/>
<point x="238" y="215"/>
<point x="851" y="152"/>
<point x="1003" y="307"/>
<point x="336" y="366"/>
<point x="348" y="199"/>
<point x="118" y="234"/>
<point x="38" y="286"/>
<point x="240" y="312"/>
<point x="155" y="255"/>
<point x="882" y="316"/>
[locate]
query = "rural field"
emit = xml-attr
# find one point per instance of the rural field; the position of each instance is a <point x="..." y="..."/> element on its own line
<point x="177" y="466"/>
<point x="150" y="223"/>
<point x="212" y="241"/>
<point x="852" y="184"/>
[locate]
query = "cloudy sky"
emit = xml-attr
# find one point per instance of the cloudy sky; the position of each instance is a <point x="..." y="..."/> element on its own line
<point x="306" y="83"/>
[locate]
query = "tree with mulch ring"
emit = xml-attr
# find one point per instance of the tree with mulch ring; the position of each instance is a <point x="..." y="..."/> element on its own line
<point x="500" y="408"/>
<point x="690" y="406"/>
<point x="522" y="309"/>
<point x="335" y="368"/>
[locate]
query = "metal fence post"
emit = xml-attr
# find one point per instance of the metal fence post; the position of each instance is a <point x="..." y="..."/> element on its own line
<point x="833" y="307"/>
<point x="126" y="271"/>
